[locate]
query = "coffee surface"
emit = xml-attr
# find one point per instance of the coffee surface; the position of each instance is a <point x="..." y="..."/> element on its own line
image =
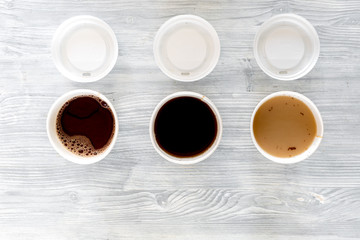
<point x="185" y="127"/>
<point x="85" y="125"/>
<point x="284" y="126"/>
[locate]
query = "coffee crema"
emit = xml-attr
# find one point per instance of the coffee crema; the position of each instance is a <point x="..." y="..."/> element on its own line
<point x="284" y="126"/>
<point x="185" y="127"/>
<point x="85" y="125"/>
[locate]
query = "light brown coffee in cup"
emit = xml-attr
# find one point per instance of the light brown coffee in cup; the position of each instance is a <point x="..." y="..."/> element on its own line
<point x="284" y="126"/>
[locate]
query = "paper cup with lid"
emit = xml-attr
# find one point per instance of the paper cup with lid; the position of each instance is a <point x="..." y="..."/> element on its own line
<point x="286" y="47"/>
<point x="84" y="48"/>
<point x="186" y="48"/>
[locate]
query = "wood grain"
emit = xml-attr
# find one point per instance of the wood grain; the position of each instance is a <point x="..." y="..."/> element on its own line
<point x="134" y="193"/>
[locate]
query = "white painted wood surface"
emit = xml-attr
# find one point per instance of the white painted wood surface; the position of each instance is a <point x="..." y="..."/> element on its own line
<point x="134" y="193"/>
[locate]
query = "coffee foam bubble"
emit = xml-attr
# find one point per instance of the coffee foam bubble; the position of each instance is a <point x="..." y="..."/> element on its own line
<point x="80" y="145"/>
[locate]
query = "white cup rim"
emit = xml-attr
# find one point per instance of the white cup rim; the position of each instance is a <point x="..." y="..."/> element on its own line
<point x="319" y="124"/>
<point x="52" y="134"/>
<point x="197" y="158"/>
<point x="206" y="26"/>
<point x="56" y="42"/>
<point x="312" y="33"/>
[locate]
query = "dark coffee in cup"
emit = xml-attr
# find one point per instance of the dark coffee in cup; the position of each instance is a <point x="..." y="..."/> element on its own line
<point x="185" y="127"/>
<point x="85" y="125"/>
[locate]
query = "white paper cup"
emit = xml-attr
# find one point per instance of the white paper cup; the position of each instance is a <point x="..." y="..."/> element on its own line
<point x="191" y="159"/>
<point x="84" y="48"/>
<point x="52" y="132"/>
<point x="286" y="47"/>
<point x="319" y="126"/>
<point x="186" y="48"/>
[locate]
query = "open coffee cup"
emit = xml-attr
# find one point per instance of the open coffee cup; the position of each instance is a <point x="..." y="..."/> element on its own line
<point x="185" y="128"/>
<point x="286" y="127"/>
<point x="82" y="126"/>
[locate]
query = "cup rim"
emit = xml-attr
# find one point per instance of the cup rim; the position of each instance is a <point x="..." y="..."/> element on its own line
<point x="319" y="124"/>
<point x="186" y="160"/>
<point x="206" y="26"/>
<point x="312" y="33"/>
<point x="51" y="127"/>
<point x="56" y="42"/>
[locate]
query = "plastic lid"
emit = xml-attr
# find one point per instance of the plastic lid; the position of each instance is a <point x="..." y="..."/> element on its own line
<point x="84" y="49"/>
<point x="186" y="48"/>
<point x="286" y="47"/>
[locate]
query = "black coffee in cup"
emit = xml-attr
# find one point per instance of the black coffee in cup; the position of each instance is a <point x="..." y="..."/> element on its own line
<point x="85" y="125"/>
<point x="185" y="127"/>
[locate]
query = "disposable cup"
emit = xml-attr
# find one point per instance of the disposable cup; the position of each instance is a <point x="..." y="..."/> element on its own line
<point x="319" y="128"/>
<point x="84" y="48"/>
<point x="52" y="131"/>
<point x="191" y="159"/>
<point x="286" y="47"/>
<point x="186" y="48"/>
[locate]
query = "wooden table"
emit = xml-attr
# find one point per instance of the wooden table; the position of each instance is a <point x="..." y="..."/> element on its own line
<point x="134" y="193"/>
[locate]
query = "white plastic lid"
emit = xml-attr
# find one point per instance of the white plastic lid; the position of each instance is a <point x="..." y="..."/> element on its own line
<point x="186" y="48"/>
<point x="286" y="47"/>
<point x="84" y="49"/>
